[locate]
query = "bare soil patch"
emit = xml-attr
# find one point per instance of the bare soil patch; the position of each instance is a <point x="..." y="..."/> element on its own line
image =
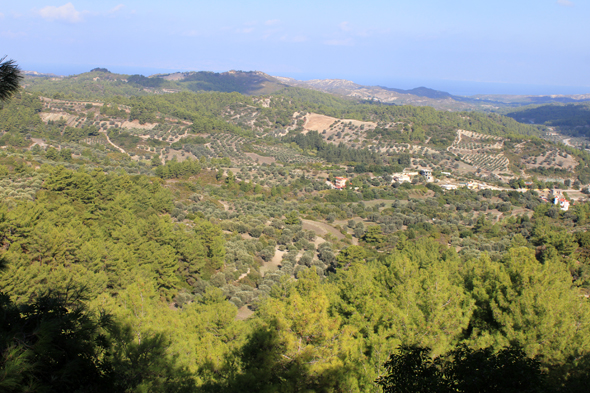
<point x="552" y="159"/>
<point x="244" y="313"/>
<point x="374" y="202"/>
<point x="274" y="263"/>
<point x="37" y="141"/>
<point x="319" y="240"/>
<point x="179" y="156"/>
<point x="321" y="229"/>
<point x="260" y="159"/>
<point x="316" y="122"/>
<point x="135" y="124"/>
<point x="55" y="116"/>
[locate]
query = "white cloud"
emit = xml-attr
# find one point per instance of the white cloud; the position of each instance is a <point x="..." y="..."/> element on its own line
<point x="345" y="42"/>
<point x="65" y="13"/>
<point x="565" y="3"/>
<point x="1" y="15"/>
<point x="246" y="30"/>
<point x="12" y="34"/>
<point x="116" y="8"/>
<point x="345" y="26"/>
<point x="191" y="33"/>
<point x="299" y="38"/>
<point x="272" y="22"/>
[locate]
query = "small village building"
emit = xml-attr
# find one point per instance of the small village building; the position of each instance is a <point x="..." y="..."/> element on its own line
<point x="448" y="187"/>
<point x="563" y="203"/>
<point x="427" y="173"/>
<point x="472" y="185"/>
<point x="401" y="178"/>
<point x="340" y="182"/>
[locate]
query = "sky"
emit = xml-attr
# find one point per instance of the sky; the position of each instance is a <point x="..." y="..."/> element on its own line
<point x="464" y="47"/>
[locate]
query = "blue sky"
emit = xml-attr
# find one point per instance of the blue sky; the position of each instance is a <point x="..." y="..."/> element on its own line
<point x="527" y="46"/>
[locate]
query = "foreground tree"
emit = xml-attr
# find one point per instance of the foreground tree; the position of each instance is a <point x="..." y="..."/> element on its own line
<point x="52" y="343"/>
<point x="10" y="78"/>
<point x="55" y="344"/>
<point x="461" y="370"/>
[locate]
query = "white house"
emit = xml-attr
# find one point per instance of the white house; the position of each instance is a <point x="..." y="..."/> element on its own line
<point x="427" y="173"/>
<point x="340" y="182"/>
<point x="563" y="203"/>
<point x="401" y="178"/>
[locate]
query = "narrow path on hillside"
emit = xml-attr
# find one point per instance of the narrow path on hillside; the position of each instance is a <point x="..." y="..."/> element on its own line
<point x="117" y="147"/>
<point x="243" y="275"/>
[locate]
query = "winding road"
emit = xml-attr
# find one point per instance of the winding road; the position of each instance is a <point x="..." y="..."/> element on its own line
<point x="117" y="147"/>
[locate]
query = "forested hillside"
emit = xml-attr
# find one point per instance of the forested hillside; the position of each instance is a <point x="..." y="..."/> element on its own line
<point x="143" y="127"/>
<point x="197" y="242"/>
<point x="165" y="281"/>
<point x="101" y="83"/>
<point x="570" y="119"/>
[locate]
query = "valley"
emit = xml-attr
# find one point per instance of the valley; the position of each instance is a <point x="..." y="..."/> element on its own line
<point x="228" y="218"/>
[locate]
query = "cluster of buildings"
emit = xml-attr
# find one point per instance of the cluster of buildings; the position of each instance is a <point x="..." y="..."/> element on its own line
<point x="470" y="185"/>
<point x="558" y="199"/>
<point x="339" y="183"/>
<point x="406" y="177"/>
<point x="555" y="196"/>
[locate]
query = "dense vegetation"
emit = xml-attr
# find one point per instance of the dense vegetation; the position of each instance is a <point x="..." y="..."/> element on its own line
<point x="332" y="153"/>
<point x="566" y="115"/>
<point x="105" y="236"/>
<point x="100" y="83"/>
<point x="144" y="257"/>
<point x="573" y="119"/>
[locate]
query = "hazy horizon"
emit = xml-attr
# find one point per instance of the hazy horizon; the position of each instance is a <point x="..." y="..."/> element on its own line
<point x="461" y="88"/>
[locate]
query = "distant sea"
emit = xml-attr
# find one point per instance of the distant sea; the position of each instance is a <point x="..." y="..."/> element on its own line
<point x="464" y="88"/>
<point x="461" y="88"/>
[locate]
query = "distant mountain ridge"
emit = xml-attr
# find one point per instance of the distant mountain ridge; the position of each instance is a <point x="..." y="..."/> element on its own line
<point x="422" y="92"/>
<point x="420" y="96"/>
<point x="41" y="74"/>
<point x="424" y="96"/>
<point x="260" y="83"/>
<point x="245" y="82"/>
